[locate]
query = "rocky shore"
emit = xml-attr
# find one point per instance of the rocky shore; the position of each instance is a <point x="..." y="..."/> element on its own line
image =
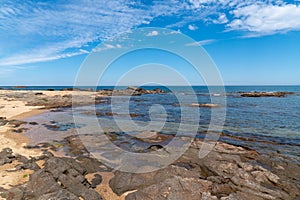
<point x="228" y="172"/>
<point x="40" y="172"/>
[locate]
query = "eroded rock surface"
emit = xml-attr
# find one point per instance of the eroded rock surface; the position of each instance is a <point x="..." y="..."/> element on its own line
<point x="228" y="172"/>
<point x="60" y="178"/>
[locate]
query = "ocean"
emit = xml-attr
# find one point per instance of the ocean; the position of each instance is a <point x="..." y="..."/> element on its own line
<point x="266" y="124"/>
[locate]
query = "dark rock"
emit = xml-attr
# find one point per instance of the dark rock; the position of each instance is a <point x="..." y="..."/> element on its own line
<point x="175" y="188"/>
<point x="16" y="123"/>
<point x="6" y="156"/>
<point x="91" y="165"/>
<point x="33" y="123"/>
<point x="96" y="181"/>
<point x="133" y="115"/>
<point x="38" y="93"/>
<point x="74" y="146"/>
<point x="266" y="94"/>
<point x="60" y="194"/>
<point x="15" y="193"/>
<point x="110" y="114"/>
<point x="41" y="183"/>
<point x="91" y="195"/>
<point x="20" y="130"/>
<point x="205" y="105"/>
<point x="123" y="182"/>
<point x="3" y="121"/>
<point x="61" y="178"/>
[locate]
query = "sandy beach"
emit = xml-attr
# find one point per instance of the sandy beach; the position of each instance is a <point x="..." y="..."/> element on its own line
<point x="13" y="109"/>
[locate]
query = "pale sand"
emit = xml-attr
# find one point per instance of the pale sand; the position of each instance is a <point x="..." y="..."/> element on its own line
<point x="12" y="109"/>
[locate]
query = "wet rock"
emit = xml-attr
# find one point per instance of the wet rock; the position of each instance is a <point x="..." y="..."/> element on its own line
<point x="133" y="115"/>
<point x="75" y="146"/>
<point x="205" y="105"/>
<point x="20" y="130"/>
<point x="16" y="123"/>
<point x="266" y="94"/>
<point x="33" y="123"/>
<point x="130" y="91"/>
<point x="110" y="114"/>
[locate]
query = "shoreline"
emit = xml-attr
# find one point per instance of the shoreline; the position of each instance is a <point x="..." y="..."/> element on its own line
<point x="263" y="176"/>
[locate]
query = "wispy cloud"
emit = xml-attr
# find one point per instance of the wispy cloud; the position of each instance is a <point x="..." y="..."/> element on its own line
<point x="201" y="43"/>
<point x="34" y="31"/>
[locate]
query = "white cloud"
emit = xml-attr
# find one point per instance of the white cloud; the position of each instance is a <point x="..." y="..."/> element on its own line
<point x="35" y="58"/>
<point x="265" y="19"/>
<point x="37" y="32"/>
<point x="222" y="19"/>
<point x="192" y="27"/>
<point x="152" y="33"/>
<point x="201" y="43"/>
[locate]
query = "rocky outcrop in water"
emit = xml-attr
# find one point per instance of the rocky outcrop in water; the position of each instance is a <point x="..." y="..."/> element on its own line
<point x="130" y="91"/>
<point x="266" y="94"/>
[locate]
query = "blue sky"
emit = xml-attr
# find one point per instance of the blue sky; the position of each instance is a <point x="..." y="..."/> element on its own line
<point x="251" y="42"/>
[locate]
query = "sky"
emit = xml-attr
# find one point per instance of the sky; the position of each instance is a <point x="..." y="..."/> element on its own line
<point x="251" y="42"/>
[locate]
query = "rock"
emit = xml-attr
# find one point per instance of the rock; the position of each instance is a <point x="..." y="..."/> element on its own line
<point x="16" y="123"/>
<point x="60" y="194"/>
<point x="20" y="87"/>
<point x="266" y="94"/>
<point x="6" y="156"/>
<point x="96" y="181"/>
<point x="38" y="93"/>
<point x="91" y="165"/>
<point x="110" y="114"/>
<point x="33" y="123"/>
<point x="3" y="121"/>
<point x="123" y="182"/>
<point x="75" y="146"/>
<point x="15" y="193"/>
<point x="20" y="130"/>
<point x="208" y="196"/>
<point x="60" y="178"/>
<point x="205" y="105"/>
<point x="41" y="183"/>
<point x="174" y="188"/>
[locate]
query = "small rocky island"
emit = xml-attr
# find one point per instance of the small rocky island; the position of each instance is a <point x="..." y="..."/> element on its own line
<point x="266" y="94"/>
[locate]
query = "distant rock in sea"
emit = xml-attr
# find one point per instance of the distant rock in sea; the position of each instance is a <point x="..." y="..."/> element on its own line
<point x="265" y="94"/>
<point x="205" y="105"/>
